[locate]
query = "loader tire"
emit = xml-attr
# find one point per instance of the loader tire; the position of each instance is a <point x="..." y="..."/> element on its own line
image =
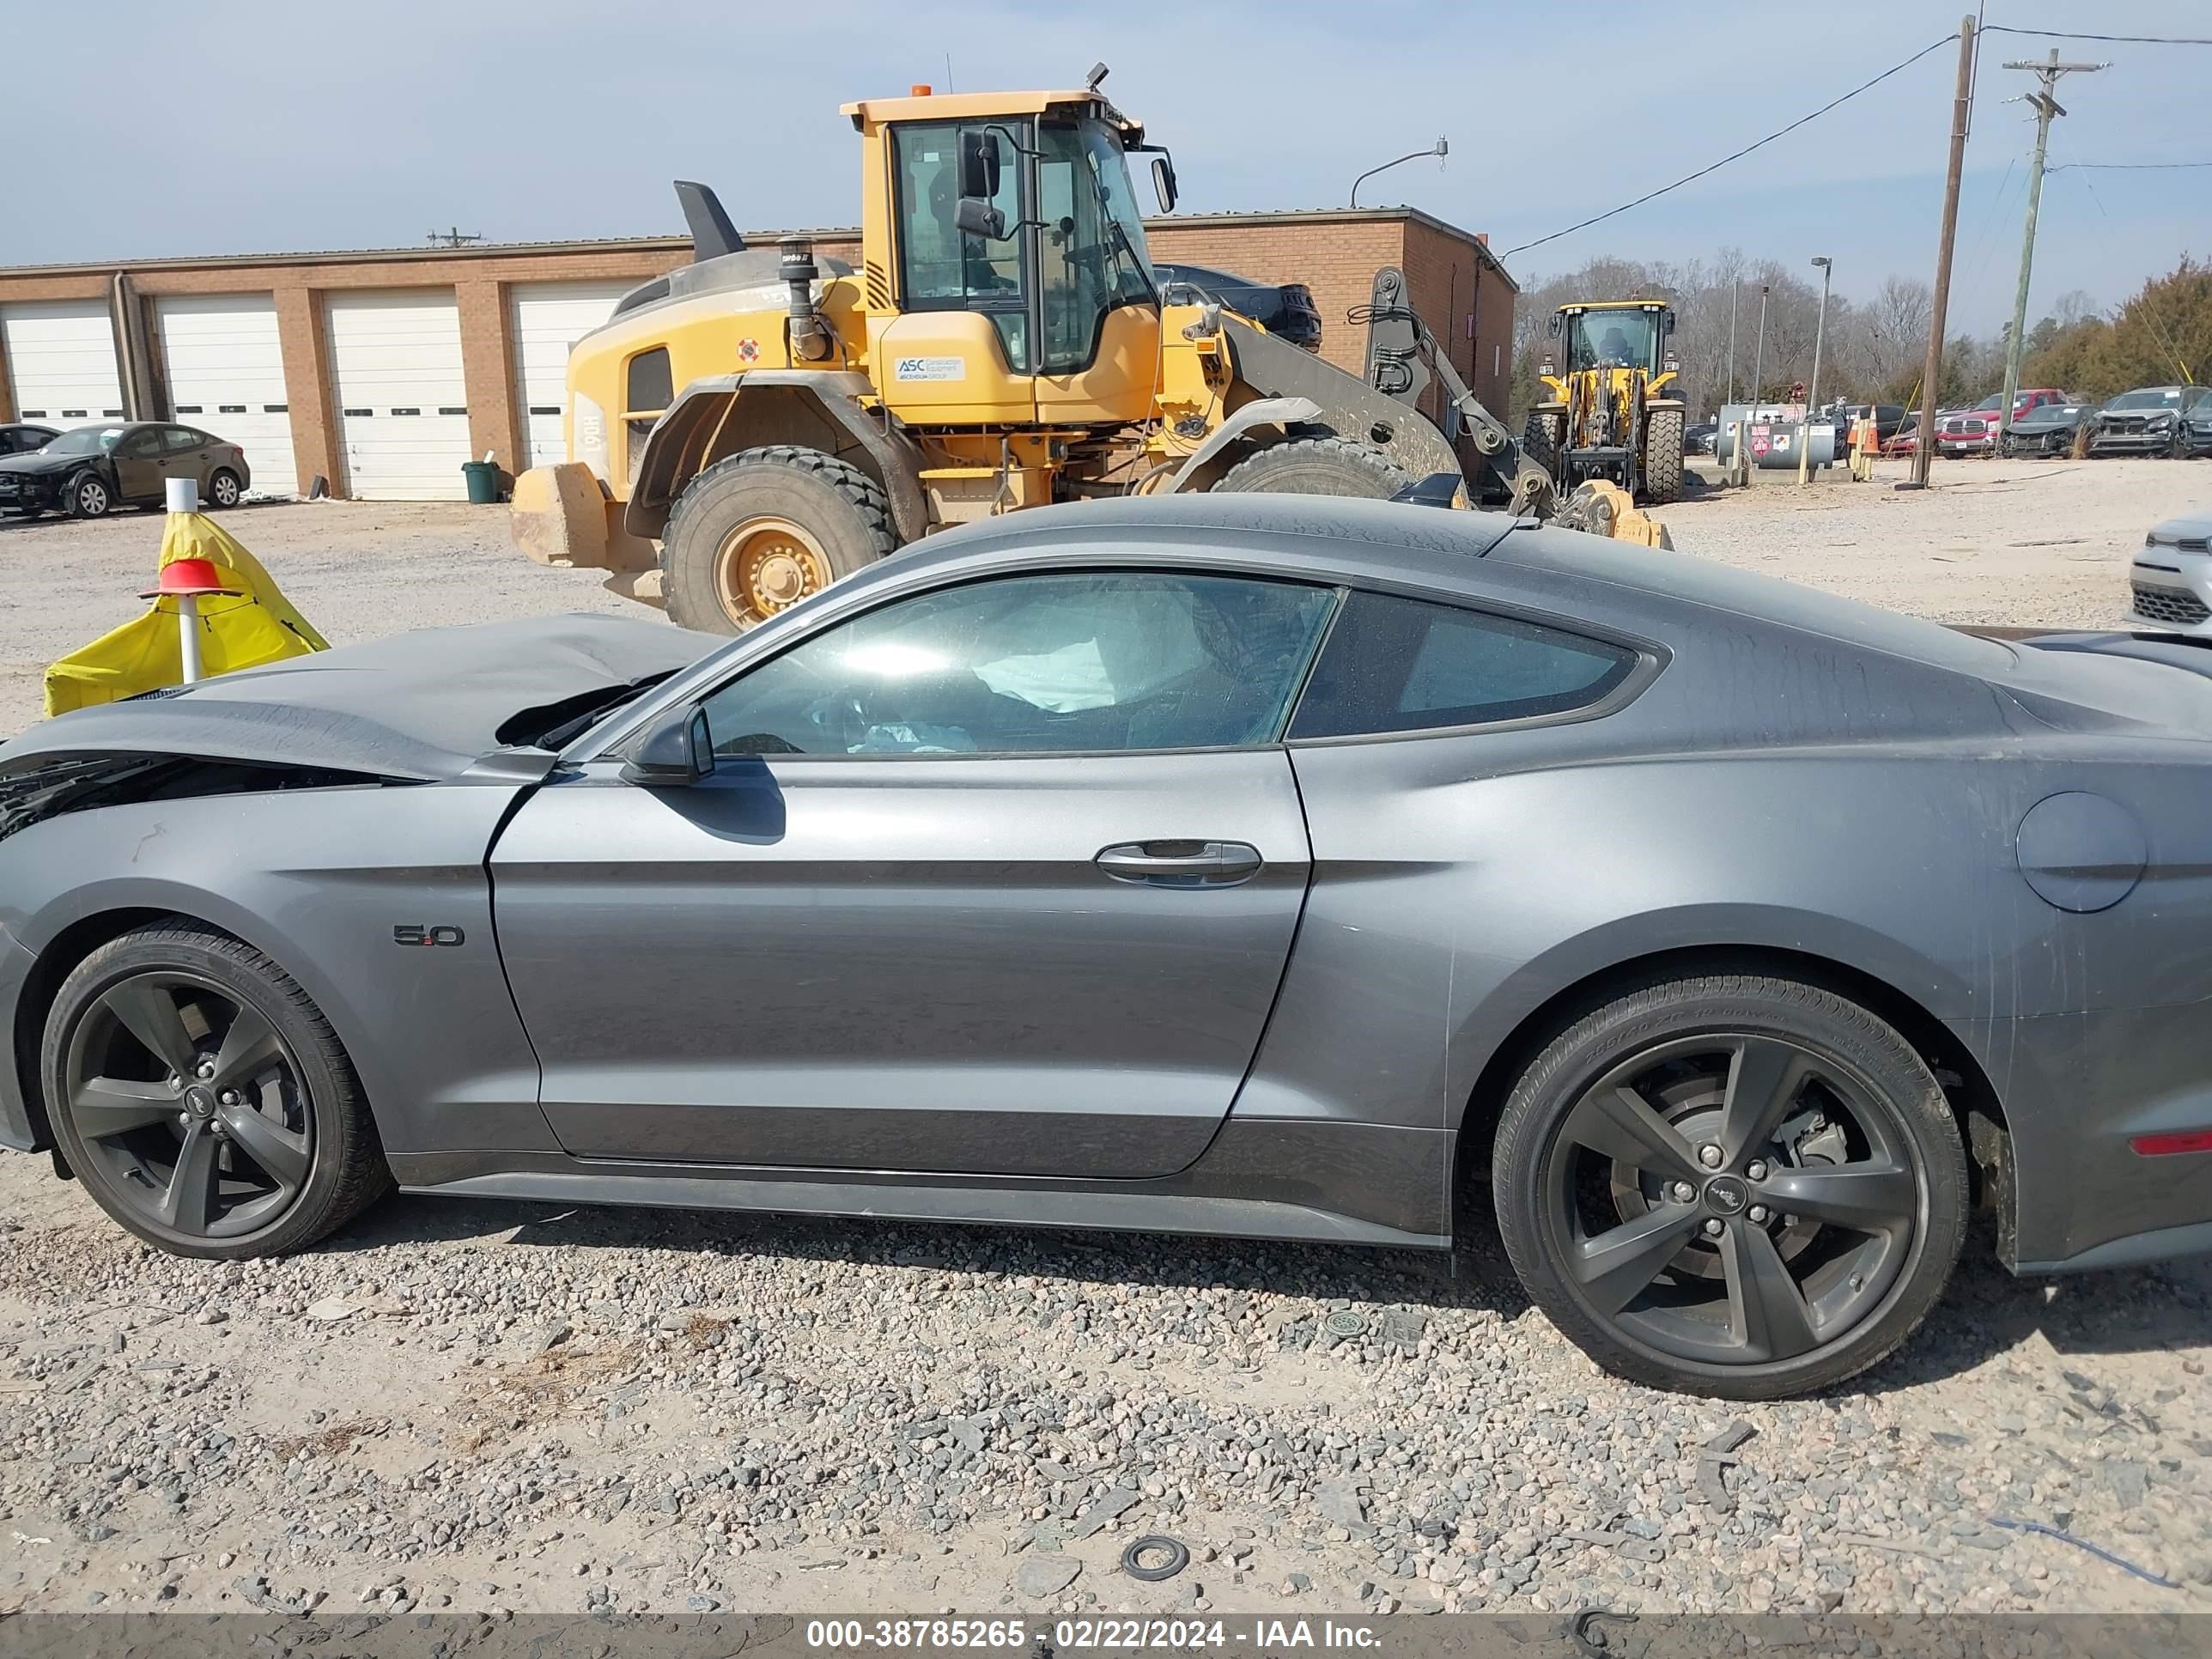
<point x="1327" y="465"/>
<point x="1539" y="442"/>
<point x="1663" y="457"/>
<point x="761" y="529"/>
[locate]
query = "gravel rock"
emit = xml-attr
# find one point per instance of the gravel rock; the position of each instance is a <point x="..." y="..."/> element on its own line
<point x="1046" y="1575"/>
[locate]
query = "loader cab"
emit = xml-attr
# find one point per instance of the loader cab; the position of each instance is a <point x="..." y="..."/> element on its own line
<point x="1009" y="259"/>
<point x="1615" y="337"/>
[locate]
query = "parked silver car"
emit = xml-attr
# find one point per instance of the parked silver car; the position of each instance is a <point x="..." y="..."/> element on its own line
<point x="2171" y="581"/>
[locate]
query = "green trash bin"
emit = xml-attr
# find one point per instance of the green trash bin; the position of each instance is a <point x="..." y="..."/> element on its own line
<point x="483" y="481"/>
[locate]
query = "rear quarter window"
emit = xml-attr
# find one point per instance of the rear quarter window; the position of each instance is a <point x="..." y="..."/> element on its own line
<point x="1398" y="664"/>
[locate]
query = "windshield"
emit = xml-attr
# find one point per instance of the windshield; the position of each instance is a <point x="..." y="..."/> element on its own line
<point x="1090" y="249"/>
<point x="1617" y="339"/>
<point x="2154" y="398"/>
<point x="86" y="440"/>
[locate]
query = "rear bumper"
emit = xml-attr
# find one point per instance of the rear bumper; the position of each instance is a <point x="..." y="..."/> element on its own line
<point x="16" y="1128"/>
<point x="2078" y="1089"/>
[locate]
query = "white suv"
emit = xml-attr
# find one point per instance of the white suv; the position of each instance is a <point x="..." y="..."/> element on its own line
<point x="2172" y="580"/>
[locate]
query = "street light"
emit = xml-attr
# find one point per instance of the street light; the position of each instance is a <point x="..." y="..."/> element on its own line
<point x="1812" y="386"/>
<point x="1759" y="356"/>
<point x="1442" y="148"/>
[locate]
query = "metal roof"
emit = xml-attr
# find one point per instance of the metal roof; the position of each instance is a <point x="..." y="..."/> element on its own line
<point x="682" y="245"/>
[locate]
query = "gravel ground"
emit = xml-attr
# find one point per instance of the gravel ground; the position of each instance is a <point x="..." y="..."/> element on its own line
<point x="520" y="1407"/>
<point x="2017" y="543"/>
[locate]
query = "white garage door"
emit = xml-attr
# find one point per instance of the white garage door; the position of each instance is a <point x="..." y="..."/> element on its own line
<point x="61" y="361"/>
<point x="403" y="411"/>
<point x="548" y="317"/>
<point x="225" y="371"/>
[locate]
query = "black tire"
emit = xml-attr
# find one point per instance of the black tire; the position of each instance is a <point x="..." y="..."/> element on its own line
<point x="224" y="491"/>
<point x="303" y="1072"/>
<point x="88" y="497"/>
<point x="1870" y="1097"/>
<point x="840" y="519"/>
<point x="1539" y="442"/>
<point x="1328" y="466"/>
<point x="1663" y="457"/>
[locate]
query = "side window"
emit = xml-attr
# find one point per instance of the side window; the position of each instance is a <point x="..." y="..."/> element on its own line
<point x="1092" y="663"/>
<point x="141" y="446"/>
<point x="178" y="439"/>
<point x="1397" y="665"/>
<point x="944" y="269"/>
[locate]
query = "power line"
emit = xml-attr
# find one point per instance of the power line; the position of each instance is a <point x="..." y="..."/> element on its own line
<point x="1654" y="196"/>
<point x="2123" y="167"/>
<point x="2121" y="40"/>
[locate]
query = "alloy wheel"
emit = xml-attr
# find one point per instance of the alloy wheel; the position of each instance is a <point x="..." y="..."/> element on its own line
<point x="1734" y="1198"/>
<point x="224" y="491"/>
<point x="92" y="498"/>
<point x="190" y="1106"/>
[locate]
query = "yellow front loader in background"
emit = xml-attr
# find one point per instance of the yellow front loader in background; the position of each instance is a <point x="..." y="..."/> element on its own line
<point x="753" y="426"/>
<point x="1616" y="412"/>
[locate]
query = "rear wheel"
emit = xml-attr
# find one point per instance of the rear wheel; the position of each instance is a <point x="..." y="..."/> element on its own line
<point x="1315" y="466"/>
<point x="203" y="1100"/>
<point x="1662" y="456"/>
<point x="223" y="488"/>
<point x="1731" y="1185"/>
<point x="757" y="532"/>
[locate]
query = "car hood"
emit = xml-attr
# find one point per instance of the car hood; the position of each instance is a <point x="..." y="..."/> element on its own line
<point x="38" y="461"/>
<point x="423" y="707"/>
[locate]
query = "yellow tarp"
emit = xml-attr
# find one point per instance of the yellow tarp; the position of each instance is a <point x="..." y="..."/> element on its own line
<point x="258" y="627"/>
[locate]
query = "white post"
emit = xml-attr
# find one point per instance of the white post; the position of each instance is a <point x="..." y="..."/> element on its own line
<point x="183" y="495"/>
<point x="188" y="635"/>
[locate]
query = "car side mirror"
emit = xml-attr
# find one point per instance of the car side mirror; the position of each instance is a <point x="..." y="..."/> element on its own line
<point x="1164" y="183"/>
<point x="676" y="751"/>
<point x="978" y="218"/>
<point x="978" y="165"/>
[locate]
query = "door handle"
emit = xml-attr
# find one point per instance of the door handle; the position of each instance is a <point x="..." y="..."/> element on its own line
<point x="1180" y="863"/>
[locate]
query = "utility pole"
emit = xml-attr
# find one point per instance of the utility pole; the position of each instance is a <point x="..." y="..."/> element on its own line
<point x="1931" y="377"/>
<point x="455" y="237"/>
<point x="2046" y="107"/>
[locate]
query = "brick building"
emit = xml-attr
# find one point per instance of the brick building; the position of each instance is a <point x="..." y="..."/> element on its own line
<point x="382" y="371"/>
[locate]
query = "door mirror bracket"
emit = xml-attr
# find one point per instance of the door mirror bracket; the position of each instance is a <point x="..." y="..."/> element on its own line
<point x="676" y="751"/>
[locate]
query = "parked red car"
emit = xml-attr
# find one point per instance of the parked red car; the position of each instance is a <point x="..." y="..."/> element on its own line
<point x="1974" y="431"/>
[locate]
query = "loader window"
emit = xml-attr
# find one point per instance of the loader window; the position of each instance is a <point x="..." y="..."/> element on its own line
<point x="943" y="268"/>
<point x="1617" y="339"/>
<point x="1091" y="251"/>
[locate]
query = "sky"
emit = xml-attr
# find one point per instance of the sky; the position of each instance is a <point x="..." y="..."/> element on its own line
<point x="227" y="126"/>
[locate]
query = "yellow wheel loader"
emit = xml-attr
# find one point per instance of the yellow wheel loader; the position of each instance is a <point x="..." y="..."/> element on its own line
<point x="753" y="426"/>
<point x="1616" y="413"/>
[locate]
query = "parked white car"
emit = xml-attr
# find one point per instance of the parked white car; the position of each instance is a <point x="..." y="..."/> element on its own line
<point x="2171" y="579"/>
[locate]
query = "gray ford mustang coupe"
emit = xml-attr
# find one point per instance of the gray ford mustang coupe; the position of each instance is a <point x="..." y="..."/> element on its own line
<point x="1251" y="865"/>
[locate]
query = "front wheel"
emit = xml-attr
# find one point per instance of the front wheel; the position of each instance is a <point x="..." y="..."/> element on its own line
<point x="89" y="497"/>
<point x="203" y="1100"/>
<point x="758" y="531"/>
<point x="1663" y="457"/>
<point x="1731" y="1185"/>
<point x="1323" y="465"/>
